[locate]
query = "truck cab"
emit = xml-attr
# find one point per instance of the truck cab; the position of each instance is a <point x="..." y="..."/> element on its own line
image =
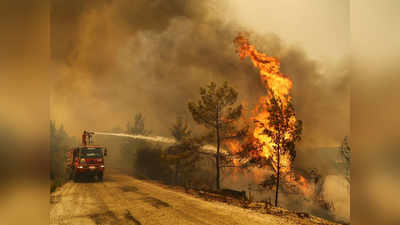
<point x="88" y="161"/>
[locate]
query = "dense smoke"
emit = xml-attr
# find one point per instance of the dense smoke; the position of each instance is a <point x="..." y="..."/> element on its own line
<point x="114" y="58"/>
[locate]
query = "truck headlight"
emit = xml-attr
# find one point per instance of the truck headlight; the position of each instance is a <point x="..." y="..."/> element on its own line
<point x="102" y="166"/>
<point x="80" y="167"/>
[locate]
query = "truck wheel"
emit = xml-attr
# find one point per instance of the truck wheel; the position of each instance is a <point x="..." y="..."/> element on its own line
<point x="76" y="177"/>
<point x="71" y="175"/>
<point x="100" y="176"/>
<point x="68" y="172"/>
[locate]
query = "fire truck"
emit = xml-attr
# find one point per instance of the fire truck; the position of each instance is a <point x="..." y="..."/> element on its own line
<point x="86" y="160"/>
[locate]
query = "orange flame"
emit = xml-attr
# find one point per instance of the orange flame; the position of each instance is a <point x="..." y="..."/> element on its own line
<point x="280" y="86"/>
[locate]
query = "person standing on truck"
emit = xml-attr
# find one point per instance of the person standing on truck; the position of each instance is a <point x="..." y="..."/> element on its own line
<point x="90" y="135"/>
<point x="84" y="135"/>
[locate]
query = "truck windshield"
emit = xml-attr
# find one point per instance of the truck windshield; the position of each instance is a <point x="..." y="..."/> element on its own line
<point x="91" y="152"/>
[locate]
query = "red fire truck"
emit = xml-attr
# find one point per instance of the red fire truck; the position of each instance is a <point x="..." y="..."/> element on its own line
<point x="86" y="160"/>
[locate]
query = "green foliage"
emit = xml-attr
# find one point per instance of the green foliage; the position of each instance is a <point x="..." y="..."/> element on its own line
<point x="215" y="104"/>
<point x="184" y="154"/>
<point x="144" y="158"/>
<point x="150" y="164"/>
<point x="138" y="126"/>
<point x="180" y="129"/>
<point x="131" y="147"/>
<point x="60" y="142"/>
<point x="216" y="111"/>
<point x="129" y="150"/>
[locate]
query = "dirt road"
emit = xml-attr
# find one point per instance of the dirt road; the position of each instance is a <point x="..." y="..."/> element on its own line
<point x="121" y="199"/>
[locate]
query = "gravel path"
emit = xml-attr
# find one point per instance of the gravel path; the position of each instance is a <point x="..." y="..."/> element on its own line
<point x="121" y="200"/>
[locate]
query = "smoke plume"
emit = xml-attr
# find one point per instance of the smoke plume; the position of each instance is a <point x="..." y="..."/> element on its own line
<point x="114" y="58"/>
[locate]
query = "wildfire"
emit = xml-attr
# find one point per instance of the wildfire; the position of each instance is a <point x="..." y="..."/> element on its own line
<point x="277" y="85"/>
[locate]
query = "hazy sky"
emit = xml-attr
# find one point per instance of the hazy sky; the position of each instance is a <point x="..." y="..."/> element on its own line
<point x="320" y="27"/>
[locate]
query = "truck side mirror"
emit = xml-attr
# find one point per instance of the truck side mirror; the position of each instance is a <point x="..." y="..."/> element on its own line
<point x="105" y="152"/>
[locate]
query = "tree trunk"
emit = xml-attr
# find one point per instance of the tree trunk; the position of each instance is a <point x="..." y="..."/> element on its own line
<point x="218" y="145"/>
<point x="277" y="177"/>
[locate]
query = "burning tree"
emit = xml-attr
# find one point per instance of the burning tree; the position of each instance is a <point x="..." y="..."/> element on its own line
<point x="276" y="130"/>
<point x="216" y="111"/>
<point x="284" y="131"/>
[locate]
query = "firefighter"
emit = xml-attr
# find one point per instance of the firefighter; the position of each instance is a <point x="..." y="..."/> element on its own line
<point x="90" y="135"/>
<point x="84" y="135"/>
